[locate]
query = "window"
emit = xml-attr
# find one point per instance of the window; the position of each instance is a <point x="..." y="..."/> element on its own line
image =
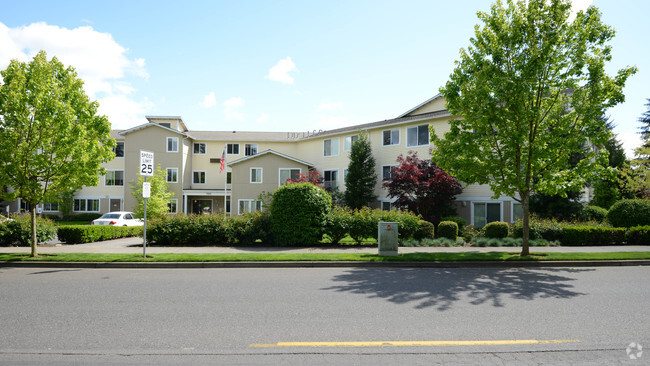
<point x="250" y="149"/>
<point x="249" y="206"/>
<point x="172" y="144"/>
<point x="199" y="148"/>
<point x="232" y="149"/>
<point x="485" y="213"/>
<point x="331" y="179"/>
<point x="228" y="177"/>
<point x="256" y="175"/>
<point x="198" y="177"/>
<point x="345" y="174"/>
<point x="386" y="206"/>
<point x="172" y="175"/>
<point x="119" y="149"/>
<point x="517" y="211"/>
<point x="85" y="205"/>
<point x="391" y="137"/>
<point x="417" y="136"/>
<point x="164" y="124"/>
<point x="114" y="178"/>
<point x="388" y="172"/>
<point x="331" y="147"/>
<point x="172" y="206"/>
<point x="348" y="141"/>
<point x="51" y="206"/>
<point x="286" y="174"/>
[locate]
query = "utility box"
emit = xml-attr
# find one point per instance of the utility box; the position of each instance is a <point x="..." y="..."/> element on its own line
<point x="388" y="235"/>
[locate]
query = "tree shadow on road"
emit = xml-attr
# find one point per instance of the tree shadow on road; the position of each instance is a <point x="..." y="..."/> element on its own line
<point x="442" y="287"/>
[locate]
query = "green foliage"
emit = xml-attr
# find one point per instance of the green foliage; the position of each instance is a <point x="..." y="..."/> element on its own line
<point x="548" y="229"/>
<point x="458" y="220"/>
<point x="594" y="213"/>
<point x="19" y="231"/>
<point x="250" y="227"/>
<point x="190" y="230"/>
<point x="426" y="230"/>
<point x="66" y="202"/>
<point x="448" y="229"/>
<point x="507" y="242"/>
<point x="337" y="224"/>
<point x="628" y="213"/>
<point x="82" y="217"/>
<point x="361" y="178"/>
<point x="158" y="203"/>
<point x="512" y="87"/>
<point x="52" y="139"/>
<point x="592" y="235"/>
<point x="299" y="214"/>
<point x="470" y="232"/>
<point x="363" y="224"/>
<point x="78" y="234"/>
<point x="638" y="235"/>
<point x="496" y="229"/>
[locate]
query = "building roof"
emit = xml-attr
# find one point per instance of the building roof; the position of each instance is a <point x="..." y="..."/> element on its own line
<point x="420" y="105"/>
<point x="269" y="151"/>
<point x="240" y="136"/>
<point x="174" y="118"/>
<point x="149" y="124"/>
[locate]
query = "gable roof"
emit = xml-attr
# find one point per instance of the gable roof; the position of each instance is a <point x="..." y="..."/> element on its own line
<point x="150" y="124"/>
<point x="420" y="105"/>
<point x="272" y="152"/>
<point x="173" y="118"/>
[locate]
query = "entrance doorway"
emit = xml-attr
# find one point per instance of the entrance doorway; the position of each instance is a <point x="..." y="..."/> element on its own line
<point x="115" y="204"/>
<point x="202" y="207"/>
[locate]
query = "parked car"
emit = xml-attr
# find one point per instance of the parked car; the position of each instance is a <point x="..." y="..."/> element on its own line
<point x="118" y="218"/>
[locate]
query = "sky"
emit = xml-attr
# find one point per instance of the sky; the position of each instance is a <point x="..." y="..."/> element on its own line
<point x="281" y="65"/>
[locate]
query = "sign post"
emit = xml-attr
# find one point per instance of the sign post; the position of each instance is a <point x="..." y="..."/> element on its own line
<point x="146" y="170"/>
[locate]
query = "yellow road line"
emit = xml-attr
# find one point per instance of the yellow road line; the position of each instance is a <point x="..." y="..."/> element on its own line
<point x="413" y="343"/>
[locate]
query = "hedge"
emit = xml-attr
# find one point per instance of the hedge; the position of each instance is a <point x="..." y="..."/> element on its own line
<point x="78" y="234"/>
<point x="638" y="235"/>
<point x="592" y="235"/>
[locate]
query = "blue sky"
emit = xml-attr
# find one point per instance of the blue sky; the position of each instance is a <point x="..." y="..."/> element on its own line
<point x="279" y="65"/>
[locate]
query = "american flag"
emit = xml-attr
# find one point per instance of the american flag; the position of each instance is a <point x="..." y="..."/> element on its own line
<point x="223" y="161"/>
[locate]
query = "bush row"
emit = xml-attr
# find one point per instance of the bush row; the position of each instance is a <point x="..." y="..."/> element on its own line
<point x="19" y="231"/>
<point x="599" y="235"/>
<point x="78" y="234"/>
<point x="363" y="224"/>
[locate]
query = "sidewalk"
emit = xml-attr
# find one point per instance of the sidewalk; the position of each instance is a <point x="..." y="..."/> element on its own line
<point x="134" y="245"/>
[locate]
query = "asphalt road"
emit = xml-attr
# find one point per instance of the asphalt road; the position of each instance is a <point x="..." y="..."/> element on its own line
<point x="243" y="316"/>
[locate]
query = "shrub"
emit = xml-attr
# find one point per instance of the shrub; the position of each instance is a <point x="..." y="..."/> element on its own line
<point x="469" y="233"/>
<point x="184" y="230"/>
<point x="594" y="213"/>
<point x="628" y="213"/>
<point x="638" y="235"/>
<point x="78" y="234"/>
<point x="592" y="235"/>
<point x="19" y="231"/>
<point x="548" y="229"/>
<point x="448" y="229"/>
<point x="496" y="229"/>
<point x="299" y="213"/>
<point x="408" y="222"/>
<point x="337" y="223"/>
<point x="458" y="220"/>
<point x="363" y="224"/>
<point x="251" y="227"/>
<point x="426" y="230"/>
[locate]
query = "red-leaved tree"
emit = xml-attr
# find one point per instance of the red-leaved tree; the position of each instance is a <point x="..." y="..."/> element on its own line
<point x="313" y="177"/>
<point x="422" y="187"/>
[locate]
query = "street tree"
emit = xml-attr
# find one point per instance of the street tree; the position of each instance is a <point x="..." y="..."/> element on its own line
<point x="158" y="203"/>
<point x="530" y="90"/>
<point x="422" y="187"/>
<point x="639" y="176"/>
<point x="51" y="138"/>
<point x="361" y="179"/>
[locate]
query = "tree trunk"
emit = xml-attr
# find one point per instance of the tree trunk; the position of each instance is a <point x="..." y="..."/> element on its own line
<point x="32" y="210"/>
<point x="526" y="225"/>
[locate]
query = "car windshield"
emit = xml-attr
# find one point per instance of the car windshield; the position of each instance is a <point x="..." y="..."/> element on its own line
<point x="110" y="216"/>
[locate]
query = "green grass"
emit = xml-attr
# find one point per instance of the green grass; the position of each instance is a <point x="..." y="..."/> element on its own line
<point x="354" y="257"/>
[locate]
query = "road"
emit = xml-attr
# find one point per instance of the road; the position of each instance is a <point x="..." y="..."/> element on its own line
<point x="422" y="316"/>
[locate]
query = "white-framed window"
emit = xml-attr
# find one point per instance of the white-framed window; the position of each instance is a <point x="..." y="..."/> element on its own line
<point x="172" y="144"/>
<point x="172" y="175"/>
<point x="250" y="149"/>
<point x="517" y="211"/>
<point x="286" y="174"/>
<point x="331" y="147"/>
<point x="85" y="205"/>
<point x="228" y="177"/>
<point x="249" y="206"/>
<point x="172" y="206"/>
<point x="348" y="141"/>
<point x="417" y="135"/>
<point x="387" y="172"/>
<point x="51" y="206"/>
<point x="198" y="177"/>
<point x="390" y="137"/>
<point x="386" y="205"/>
<point x="232" y="149"/>
<point x="485" y="212"/>
<point x="114" y="178"/>
<point x="256" y="175"/>
<point x="331" y="178"/>
<point x="119" y="149"/>
<point x="199" y="148"/>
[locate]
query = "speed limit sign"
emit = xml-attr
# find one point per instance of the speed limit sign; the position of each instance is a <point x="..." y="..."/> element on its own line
<point x="146" y="163"/>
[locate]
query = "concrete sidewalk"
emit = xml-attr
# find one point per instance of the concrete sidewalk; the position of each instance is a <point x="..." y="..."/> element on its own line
<point x="134" y="245"/>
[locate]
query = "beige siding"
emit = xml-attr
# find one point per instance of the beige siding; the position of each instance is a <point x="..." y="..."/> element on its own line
<point x="433" y="106"/>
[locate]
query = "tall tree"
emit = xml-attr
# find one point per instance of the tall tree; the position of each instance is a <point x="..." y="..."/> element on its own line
<point x="530" y="88"/>
<point x="608" y="191"/>
<point x="159" y="200"/>
<point x="638" y="179"/>
<point x="422" y="187"/>
<point x="51" y="138"/>
<point x="361" y="179"/>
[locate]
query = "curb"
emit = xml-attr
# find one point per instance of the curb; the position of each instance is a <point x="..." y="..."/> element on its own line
<point x="329" y="264"/>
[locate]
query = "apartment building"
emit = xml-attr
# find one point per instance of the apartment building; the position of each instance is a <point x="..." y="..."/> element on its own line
<point x="257" y="162"/>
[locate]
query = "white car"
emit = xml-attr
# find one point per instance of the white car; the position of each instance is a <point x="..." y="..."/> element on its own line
<point x="118" y="218"/>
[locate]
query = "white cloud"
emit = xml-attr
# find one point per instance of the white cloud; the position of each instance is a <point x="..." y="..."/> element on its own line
<point x="280" y="72"/>
<point x="231" y="107"/>
<point x="630" y="142"/>
<point x="101" y="62"/>
<point x="327" y="105"/>
<point x="578" y="5"/>
<point x="209" y="100"/>
<point x="263" y="118"/>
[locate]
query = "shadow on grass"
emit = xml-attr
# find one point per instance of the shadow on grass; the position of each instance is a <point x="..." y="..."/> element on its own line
<point x="441" y="288"/>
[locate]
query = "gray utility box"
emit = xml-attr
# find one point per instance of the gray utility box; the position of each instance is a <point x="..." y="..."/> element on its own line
<point x="388" y="234"/>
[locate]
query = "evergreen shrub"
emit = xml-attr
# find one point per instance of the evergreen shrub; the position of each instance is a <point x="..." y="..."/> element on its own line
<point x="592" y="235"/>
<point x="79" y="234"/>
<point x="18" y="232"/>
<point x="458" y="220"/>
<point x="426" y="230"/>
<point x="594" y="213"/>
<point x="448" y="229"/>
<point x="628" y="213"/>
<point x="496" y="229"/>
<point x="638" y="235"/>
